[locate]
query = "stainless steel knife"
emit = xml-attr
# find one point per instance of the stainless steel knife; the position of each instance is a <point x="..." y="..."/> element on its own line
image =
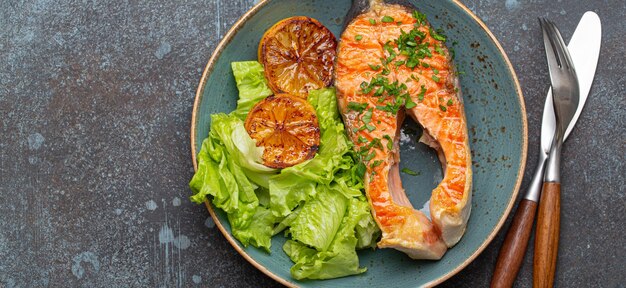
<point x="584" y="48"/>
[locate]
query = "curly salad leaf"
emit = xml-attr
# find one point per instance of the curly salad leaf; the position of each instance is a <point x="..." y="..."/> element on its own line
<point x="318" y="203"/>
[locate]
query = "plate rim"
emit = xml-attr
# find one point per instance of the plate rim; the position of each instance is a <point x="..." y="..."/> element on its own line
<point x="194" y="119"/>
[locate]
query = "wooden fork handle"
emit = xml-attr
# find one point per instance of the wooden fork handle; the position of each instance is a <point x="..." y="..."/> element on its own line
<point x="514" y="246"/>
<point x="547" y="235"/>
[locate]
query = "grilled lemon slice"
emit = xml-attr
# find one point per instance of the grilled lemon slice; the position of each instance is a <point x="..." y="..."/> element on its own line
<point x="286" y="127"/>
<point x="298" y="55"/>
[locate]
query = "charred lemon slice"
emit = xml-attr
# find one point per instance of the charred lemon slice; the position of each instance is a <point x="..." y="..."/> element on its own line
<point x="286" y="126"/>
<point x="298" y="54"/>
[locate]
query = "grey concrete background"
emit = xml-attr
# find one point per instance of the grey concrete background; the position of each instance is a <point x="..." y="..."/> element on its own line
<point x="95" y="106"/>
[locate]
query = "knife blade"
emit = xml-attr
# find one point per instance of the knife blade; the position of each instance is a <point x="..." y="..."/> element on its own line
<point x="584" y="48"/>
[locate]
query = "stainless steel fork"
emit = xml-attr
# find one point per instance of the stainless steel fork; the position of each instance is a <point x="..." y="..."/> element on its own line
<point x="565" y="94"/>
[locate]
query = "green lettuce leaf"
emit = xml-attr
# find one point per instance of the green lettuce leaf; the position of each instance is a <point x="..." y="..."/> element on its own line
<point x="252" y="86"/>
<point x="367" y="231"/>
<point x="334" y="162"/>
<point x="229" y="169"/>
<point x="318" y="221"/>
<point x="340" y="259"/>
<point x="287" y="191"/>
<point x="258" y="232"/>
<point x="319" y="202"/>
<point x="333" y="214"/>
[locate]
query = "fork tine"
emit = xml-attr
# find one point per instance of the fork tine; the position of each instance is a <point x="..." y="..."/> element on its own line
<point x="562" y="48"/>
<point x="553" y="41"/>
<point x="551" y="57"/>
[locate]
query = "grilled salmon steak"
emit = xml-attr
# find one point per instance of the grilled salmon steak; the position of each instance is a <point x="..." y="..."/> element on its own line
<point x="391" y="63"/>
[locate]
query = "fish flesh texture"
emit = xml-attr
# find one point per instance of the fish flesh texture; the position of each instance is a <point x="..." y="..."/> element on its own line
<point x="391" y="63"/>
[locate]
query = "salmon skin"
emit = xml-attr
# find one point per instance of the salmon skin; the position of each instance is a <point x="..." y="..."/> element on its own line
<point x="391" y="63"/>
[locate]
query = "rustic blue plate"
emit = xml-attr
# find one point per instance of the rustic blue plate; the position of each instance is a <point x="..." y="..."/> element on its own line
<point x="496" y="120"/>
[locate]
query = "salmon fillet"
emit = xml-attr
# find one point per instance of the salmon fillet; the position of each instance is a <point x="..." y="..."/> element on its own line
<point x="390" y="63"/>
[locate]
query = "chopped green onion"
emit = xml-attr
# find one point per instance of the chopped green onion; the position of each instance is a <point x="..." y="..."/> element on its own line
<point x="358" y="37"/>
<point x="387" y="19"/>
<point x="438" y="35"/>
<point x="409" y="102"/>
<point x="439" y="50"/>
<point x="376" y="163"/>
<point x="420" y="96"/>
<point x="376" y="143"/>
<point x="359" y="107"/>
<point x="420" y="17"/>
<point x="409" y="172"/>
<point x="367" y="117"/>
<point x="374" y="67"/>
<point x="379" y="91"/>
<point x="389" y="142"/>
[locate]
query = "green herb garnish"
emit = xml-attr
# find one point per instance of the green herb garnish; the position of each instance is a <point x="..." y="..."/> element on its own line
<point x="409" y="102"/>
<point x="387" y="19"/>
<point x="420" y="96"/>
<point x="438" y="35"/>
<point x="376" y="143"/>
<point x="359" y="107"/>
<point x="376" y="163"/>
<point x="439" y="50"/>
<point x="420" y="17"/>
<point x="367" y="117"/>
<point x="374" y="67"/>
<point x="409" y="172"/>
<point x="389" y="142"/>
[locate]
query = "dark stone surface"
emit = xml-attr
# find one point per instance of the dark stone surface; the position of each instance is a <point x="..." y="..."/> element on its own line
<point x="95" y="106"/>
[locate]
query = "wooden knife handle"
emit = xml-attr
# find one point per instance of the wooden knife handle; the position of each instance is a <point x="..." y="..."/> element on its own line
<point x="547" y="235"/>
<point x="514" y="246"/>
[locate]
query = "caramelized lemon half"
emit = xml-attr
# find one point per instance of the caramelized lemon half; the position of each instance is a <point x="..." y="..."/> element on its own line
<point x="286" y="127"/>
<point x="298" y="55"/>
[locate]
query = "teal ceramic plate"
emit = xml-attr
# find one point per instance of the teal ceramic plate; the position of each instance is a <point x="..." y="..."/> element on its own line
<point x="496" y="120"/>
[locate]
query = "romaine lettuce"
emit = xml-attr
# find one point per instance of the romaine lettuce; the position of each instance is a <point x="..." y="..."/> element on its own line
<point x="228" y="172"/>
<point x="252" y="86"/>
<point x="319" y="202"/>
<point x="340" y="259"/>
<point x="333" y="163"/>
